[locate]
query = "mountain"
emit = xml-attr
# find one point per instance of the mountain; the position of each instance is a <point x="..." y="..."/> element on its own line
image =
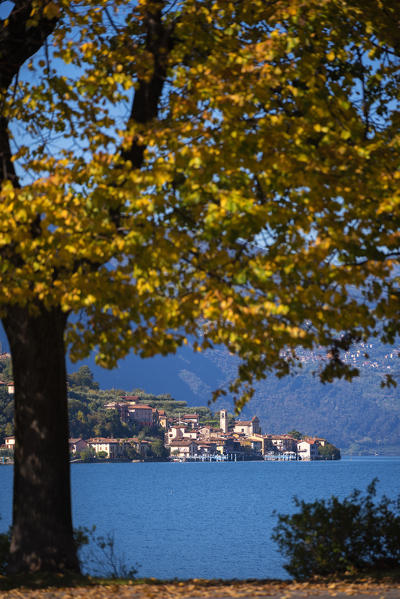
<point x="358" y="417"/>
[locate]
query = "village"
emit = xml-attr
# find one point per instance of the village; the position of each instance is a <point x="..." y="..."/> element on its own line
<point x="186" y="438"/>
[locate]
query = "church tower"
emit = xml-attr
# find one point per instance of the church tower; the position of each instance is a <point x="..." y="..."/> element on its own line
<point x="223" y="421"/>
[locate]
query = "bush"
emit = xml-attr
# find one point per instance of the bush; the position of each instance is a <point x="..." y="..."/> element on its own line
<point x="87" y="453"/>
<point x="99" y="556"/>
<point x="331" y="536"/>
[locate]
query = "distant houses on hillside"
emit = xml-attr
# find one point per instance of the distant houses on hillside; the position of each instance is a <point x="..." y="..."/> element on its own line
<point x="242" y="441"/>
<point x="185" y="438"/>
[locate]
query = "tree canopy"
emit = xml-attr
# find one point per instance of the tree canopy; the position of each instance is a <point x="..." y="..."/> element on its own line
<point x="215" y="168"/>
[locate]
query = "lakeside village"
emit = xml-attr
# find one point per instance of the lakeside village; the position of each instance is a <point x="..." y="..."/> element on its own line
<point x="111" y="425"/>
<point x="185" y="439"/>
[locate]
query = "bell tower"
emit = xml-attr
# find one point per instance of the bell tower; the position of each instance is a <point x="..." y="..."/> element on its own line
<point x="223" y="421"/>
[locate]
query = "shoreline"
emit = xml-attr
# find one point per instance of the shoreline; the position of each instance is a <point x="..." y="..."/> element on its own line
<point x="167" y="461"/>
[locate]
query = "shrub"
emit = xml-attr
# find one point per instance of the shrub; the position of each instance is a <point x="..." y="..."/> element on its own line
<point x="331" y="536"/>
<point x="99" y="556"/>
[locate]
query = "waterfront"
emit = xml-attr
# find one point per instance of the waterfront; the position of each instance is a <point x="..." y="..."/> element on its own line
<point x="205" y="520"/>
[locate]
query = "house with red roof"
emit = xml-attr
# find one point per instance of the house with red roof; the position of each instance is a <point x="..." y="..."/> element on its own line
<point x="190" y="419"/>
<point x="141" y="414"/>
<point x="183" y="448"/>
<point x="308" y="450"/>
<point x="112" y="447"/>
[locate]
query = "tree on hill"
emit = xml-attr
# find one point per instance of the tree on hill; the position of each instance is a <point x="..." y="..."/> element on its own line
<point x="218" y="169"/>
<point x="83" y="378"/>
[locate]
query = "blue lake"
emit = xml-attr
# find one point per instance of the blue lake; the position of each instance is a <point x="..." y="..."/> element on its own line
<point x="205" y="520"/>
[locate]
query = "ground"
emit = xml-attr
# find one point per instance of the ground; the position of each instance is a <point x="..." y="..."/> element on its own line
<point x="211" y="590"/>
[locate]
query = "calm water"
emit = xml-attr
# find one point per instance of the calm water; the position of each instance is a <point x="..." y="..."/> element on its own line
<point x="211" y="520"/>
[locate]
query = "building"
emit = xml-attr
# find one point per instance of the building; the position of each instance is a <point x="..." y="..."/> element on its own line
<point x="141" y="414"/>
<point x="175" y="432"/>
<point x="130" y="398"/>
<point x="190" y="433"/>
<point x="121" y="407"/>
<point x="76" y="445"/>
<point x="283" y="442"/>
<point x="112" y="447"/>
<point x="9" y="443"/>
<point x="206" y="448"/>
<point x="223" y="421"/>
<point x="190" y="419"/>
<point x="248" y="427"/>
<point x="156" y="420"/>
<point x="228" y="445"/>
<point x="183" y="448"/>
<point x="206" y="431"/>
<point x="130" y="411"/>
<point x="162" y="419"/>
<point x="308" y="450"/>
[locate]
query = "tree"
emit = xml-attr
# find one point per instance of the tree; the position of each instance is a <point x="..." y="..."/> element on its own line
<point x="83" y="378"/>
<point x="109" y="424"/>
<point x="6" y="370"/>
<point x="226" y="170"/>
<point x="158" y="449"/>
<point x="329" y="451"/>
<point x="295" y="434"/>
<point x="87" y="454"/>
<point x="331" y="536"/>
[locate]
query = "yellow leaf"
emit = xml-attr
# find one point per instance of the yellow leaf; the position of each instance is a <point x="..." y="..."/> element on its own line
<point x="51" y="10"/>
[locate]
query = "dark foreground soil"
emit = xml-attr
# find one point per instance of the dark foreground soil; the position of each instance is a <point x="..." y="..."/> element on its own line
<point x="361" y="589"/>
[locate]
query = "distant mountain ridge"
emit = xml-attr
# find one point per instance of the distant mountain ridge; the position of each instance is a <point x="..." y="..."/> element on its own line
<point x="359" y="417"/>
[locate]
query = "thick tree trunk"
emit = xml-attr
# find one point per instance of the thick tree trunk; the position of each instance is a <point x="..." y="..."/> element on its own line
<point x="42" y="537"/>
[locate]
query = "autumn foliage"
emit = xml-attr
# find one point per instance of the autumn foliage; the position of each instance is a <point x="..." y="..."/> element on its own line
<point x="225" y="170"/>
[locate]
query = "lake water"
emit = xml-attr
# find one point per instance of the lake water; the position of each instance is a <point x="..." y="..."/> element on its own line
<point x="205" y="520"/>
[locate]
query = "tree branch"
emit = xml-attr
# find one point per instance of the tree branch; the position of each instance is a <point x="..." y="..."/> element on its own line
<point x="21" y="38"/>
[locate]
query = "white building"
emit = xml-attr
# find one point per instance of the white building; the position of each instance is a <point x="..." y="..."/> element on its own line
<point x="308" y="450"/>
<point x="10" y="443"/>
<point x="112" y="447"/>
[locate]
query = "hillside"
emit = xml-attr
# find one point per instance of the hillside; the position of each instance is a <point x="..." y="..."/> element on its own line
<point x="358" y="417"/>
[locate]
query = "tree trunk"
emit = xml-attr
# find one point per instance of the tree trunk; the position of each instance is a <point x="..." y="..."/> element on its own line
<point x="42" y="536"/>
